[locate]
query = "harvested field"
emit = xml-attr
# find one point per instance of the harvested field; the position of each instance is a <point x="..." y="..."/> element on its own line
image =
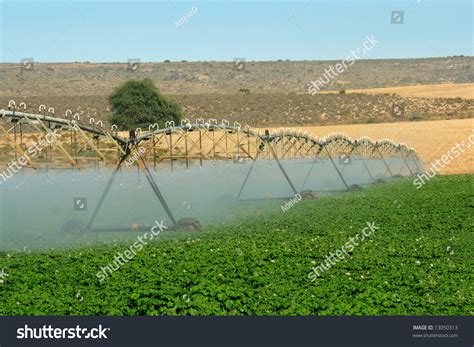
<point x="431" y="139"/>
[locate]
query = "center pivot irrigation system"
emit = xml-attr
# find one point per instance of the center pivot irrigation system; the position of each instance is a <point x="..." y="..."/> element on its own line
<point x="78" y="146"/>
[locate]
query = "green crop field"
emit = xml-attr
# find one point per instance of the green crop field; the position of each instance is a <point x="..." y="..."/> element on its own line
<point x="419" y="262"/>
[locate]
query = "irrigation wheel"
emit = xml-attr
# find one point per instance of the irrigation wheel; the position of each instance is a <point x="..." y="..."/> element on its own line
<point x="308" y="195"/>
<point x="189" y="224"/>
<point x="227" y="199"/>
<point x="355" y="188"/>
<point x="74" y="226"/>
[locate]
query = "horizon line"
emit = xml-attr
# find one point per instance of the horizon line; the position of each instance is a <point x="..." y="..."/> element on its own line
<point x="167" y="61"/>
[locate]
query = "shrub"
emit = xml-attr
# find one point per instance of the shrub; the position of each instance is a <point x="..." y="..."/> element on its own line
<point x="138" y="103"/>
<point x="416" y="117"/>
<point x="244" y="90"/>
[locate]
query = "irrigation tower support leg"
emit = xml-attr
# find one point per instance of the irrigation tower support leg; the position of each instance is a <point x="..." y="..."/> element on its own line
<point x="18" y="148"/>
<point x="186" y="147"/>
<point x="83" y="135"/>
<point x="385" y="163"/>
<point x="171" y="148"/>
<point x="238" y="144"/>
<point x="309" y="173"/>
<point x="154" y="150"/>
<point x="418" y="167"/>
<point x="248" y="175"/>
<point x="47" y="131"/>
<point x="337" y="169"/>
<point x="104" y="194"/>
<point x="14" y="138"/>
<point x="151" y="181"/>
<point x="408" y="166"/>
<point x="124" y="157"/>
<point x="157" y="192"/>
<point x="200" y="148"/>
<point x="365" y="165"/>
<point x="267" y="143"/>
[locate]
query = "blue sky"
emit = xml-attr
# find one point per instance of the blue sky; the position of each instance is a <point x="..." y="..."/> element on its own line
<point x="114" y="31"/>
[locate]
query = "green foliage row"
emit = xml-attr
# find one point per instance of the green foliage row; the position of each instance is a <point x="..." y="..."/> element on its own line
<point x="418" y="263"/>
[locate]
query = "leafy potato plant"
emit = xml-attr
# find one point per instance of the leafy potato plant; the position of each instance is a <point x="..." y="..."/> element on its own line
<point x="418" y="263"/>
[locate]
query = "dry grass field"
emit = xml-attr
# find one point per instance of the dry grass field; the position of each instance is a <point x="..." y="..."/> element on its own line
<point x="280" y="109"/>
<point x="444" y="90"/>
<point x="432" y="139"/>
<point x="268" y="77"/>
<point x="271" y="93"/>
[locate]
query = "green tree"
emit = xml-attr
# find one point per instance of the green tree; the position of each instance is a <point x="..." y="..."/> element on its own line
<point x="138" y="103"/>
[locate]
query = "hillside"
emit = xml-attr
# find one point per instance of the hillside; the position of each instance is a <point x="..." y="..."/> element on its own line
<point x="259" y="93"/>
